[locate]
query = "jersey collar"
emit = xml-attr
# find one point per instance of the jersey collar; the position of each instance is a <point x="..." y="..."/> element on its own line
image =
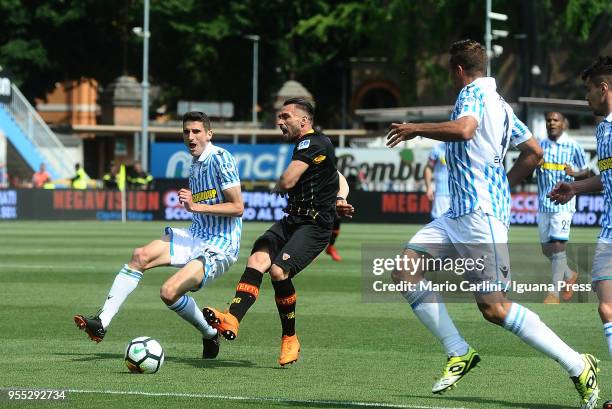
<point x="560" y="139"/>
<point x="206" y="153"/>
<point x="485" y="82"/>
<point x="306" y="134"/>
<point x="608" y="118"/>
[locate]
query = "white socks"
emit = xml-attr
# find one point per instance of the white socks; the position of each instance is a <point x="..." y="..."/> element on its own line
<point x="527" y="326"/>
<point x="560" y="270"/>
<point x="125" y="282"/>
<point x="187" y="308"/>
<point x="431" y="311"/>
<point x="608" y="335"/>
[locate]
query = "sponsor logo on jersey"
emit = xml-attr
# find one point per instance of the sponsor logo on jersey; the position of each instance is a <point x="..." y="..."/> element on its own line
<point x="204" y="195"/>
<point x="304" y="144"/>
<point x="319" y="159"/>
<point x="604" y="164"/>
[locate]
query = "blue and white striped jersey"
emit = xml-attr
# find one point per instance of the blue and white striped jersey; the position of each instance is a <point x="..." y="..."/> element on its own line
<point x="214" y="171"/>
<point x="603" y="135"/>
<point x="556" y="155"/>
<point x="477" y="178"/>
<point x="437" y="160"/>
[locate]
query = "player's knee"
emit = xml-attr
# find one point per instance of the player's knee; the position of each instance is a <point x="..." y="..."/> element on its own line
<point x="140" y="258"/>
<point x="605" y="311"/>
<point x="405" y="270"/>
<point x="494" y="312"/>
<point x="169" y="293"/>
<point x="278" y="274"/>
<point x="258" y="261"/>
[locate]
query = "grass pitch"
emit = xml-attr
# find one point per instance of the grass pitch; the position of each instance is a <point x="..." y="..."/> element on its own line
<point x="354" y="355"/>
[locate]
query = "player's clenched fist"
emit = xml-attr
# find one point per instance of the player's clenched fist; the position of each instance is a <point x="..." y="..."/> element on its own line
<point x="186" y="199"/>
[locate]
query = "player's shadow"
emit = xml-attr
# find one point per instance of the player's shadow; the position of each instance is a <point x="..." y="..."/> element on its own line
<point x="498" y="402"/>
<point x="331" y="404"/>
<point x="195" y="362"/>
<point x="213" y="363"/>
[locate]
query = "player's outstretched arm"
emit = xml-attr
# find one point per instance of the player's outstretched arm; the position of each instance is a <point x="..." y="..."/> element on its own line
<point x="530" y="157"/>
<point x="232" y="206"/>
<point x="578" y="174"/>
<point x="563" y="192"/>
<point x="461" y="129"/>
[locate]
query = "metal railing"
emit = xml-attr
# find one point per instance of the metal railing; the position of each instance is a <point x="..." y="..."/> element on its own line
<point x="56" y="156"/>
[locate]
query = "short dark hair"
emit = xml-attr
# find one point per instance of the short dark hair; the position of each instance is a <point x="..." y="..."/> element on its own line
<point x="197" y="116"/>
<point x="469" y="54"/>
<point x="303" y="103"/>
<point x="554" y="112"/>
<point x="599" y="71"/>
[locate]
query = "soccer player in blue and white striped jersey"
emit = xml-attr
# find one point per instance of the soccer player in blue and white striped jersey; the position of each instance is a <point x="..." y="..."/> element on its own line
<point x="598" y="82"/>
<point x="477" y="137"/>
<point x="436" y="170"/>
<point x="203" y="252"/>
<point x="564" y="160"/>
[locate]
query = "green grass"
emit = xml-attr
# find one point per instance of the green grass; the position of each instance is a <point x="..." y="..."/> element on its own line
<point x="351" y="351"/>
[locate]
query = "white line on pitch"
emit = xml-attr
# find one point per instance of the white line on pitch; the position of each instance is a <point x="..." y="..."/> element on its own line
<point x="263" y="399"/>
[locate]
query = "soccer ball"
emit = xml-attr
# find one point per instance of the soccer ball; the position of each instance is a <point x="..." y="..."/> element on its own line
<point x="144" y="355"/>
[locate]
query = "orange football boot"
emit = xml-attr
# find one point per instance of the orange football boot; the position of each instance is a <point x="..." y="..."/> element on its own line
<point x="290" y="350"/>
<point x="333" y="253"/>
<point x="224" y="322"/>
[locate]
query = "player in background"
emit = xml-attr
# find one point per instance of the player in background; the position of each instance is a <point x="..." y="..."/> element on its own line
<point x="138" y="178"/>
<point x="598" y="82"/>
<point x="436" y="171"/>
<point x="331" y="248"/>
<point x="203" y="252"/>
<point x="564" y="160"/>
<point x="481" y="127"/>
<point x="316" y="191"/>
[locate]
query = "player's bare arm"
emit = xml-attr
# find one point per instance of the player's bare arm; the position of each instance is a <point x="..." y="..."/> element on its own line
<point x="577" y="174"/>
<point x="343" y="208"/>
<point x="428" y="178"/>
<point x="232" y="206"/>
<point x="461" y="129"/>
<point x="564" y="192"/>
<point x="529" y="158"/>
<point x="292" y="174"/>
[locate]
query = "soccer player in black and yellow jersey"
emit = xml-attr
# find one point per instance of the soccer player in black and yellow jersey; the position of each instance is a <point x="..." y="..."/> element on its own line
<point x="316" y="191"/>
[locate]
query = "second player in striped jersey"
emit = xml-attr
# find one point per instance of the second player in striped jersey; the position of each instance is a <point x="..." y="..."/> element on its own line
<point x="436" y="170"/>
<point x="203" y="252"/>
<point x="598" y="83"/>
<point x="564" y="160"/>
<point x="481" y="128"/>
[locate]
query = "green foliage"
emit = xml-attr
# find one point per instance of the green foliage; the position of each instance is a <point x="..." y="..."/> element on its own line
<point x="198" y="50"/>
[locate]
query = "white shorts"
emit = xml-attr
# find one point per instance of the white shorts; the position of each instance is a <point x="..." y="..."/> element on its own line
<point x="440" y="205"/>
<point x="602" y="261"/>
<point x="184" y="248"/>
<point x="554" y="226"/>
<point x="474" y="236"/>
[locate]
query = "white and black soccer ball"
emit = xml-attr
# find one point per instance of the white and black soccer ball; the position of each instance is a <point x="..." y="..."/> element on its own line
<point x="144" y="355"/>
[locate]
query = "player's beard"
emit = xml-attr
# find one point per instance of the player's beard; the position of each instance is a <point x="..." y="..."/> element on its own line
<point x="291" y="134"/>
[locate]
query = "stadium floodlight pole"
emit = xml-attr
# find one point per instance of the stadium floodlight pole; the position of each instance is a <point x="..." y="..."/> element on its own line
<point x="144" y="135"/>
<point x="488" y="37"/>
<point x="255" y="38"/>
<point x="491" y="15"/>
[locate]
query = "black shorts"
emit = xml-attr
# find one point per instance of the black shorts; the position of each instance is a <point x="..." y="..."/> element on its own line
<point x="294" y="242"/>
